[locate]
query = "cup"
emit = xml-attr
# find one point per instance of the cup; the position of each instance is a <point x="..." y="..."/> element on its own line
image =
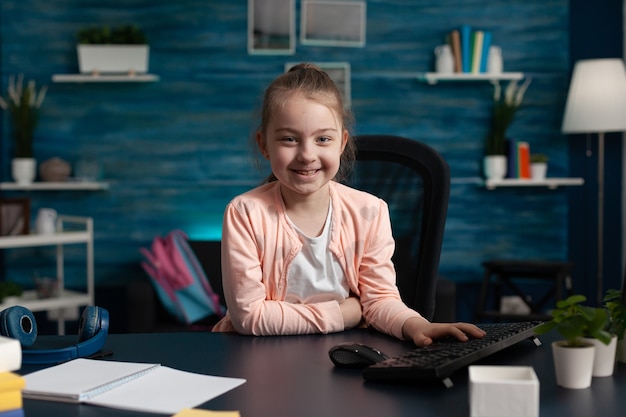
<point x="46" y="221"/>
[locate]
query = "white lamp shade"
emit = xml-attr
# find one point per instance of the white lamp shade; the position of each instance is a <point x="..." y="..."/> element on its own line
<point x="596" y="101"/>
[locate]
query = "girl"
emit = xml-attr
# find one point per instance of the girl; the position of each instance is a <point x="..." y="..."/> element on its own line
<point x="303" y="253"/>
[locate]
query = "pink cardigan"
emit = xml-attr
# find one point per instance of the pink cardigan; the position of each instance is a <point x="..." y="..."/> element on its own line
<point x="258" y="245"/>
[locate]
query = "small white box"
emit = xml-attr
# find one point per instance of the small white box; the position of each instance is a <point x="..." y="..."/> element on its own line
<point x="496" y="391"/>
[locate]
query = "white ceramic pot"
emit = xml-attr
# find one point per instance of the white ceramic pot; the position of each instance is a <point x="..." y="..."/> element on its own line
<point x="573" y="365"/>
<point x="103" y="59"/>
<point x="494" y="167"/>
<point x="538" y="170"/>
<point x="604" y="360"/>
<point x="23" y="170"/>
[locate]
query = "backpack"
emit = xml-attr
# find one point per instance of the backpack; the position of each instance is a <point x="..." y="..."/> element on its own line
<point x="179" y="280"/>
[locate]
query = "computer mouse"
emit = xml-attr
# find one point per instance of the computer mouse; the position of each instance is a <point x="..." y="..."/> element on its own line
<point x="355" y="355"/>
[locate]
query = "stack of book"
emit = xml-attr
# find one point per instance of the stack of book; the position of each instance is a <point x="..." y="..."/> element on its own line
<point x="11" y="384"/>
<point x="470" y="49"/>
<point x="518" y="159"/>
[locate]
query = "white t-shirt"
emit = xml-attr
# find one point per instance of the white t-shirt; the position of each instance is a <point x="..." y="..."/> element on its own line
<point x="315" y="275"/>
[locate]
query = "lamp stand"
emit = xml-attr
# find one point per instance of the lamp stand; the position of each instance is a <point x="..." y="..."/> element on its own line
<point x="599" y="279"/>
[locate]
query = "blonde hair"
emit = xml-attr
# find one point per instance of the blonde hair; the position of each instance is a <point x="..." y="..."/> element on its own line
<point x="313" y="84"/>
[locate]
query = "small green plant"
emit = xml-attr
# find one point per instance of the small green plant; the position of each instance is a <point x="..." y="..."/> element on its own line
<point x="573" y="321"/>
<point x="102" y="35"/>
<point x="8" y="289"/>
<point x="617" y="313"/>
<point x="537" y="158"/>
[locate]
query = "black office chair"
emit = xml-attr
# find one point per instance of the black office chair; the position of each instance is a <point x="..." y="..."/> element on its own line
<point x="414" y="180"/>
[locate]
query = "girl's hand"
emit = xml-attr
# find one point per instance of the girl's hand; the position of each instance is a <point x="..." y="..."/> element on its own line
<point x="351" y="312"/>
<point x="422" y="332"/>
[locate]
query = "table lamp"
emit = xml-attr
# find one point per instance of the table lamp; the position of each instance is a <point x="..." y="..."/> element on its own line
<point x="596" y="103"/>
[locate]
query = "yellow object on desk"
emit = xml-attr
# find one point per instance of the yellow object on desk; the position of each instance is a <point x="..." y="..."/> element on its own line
<point x="194" y="412"/>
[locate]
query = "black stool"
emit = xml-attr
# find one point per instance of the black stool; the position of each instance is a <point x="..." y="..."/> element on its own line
<point x="505" y="271"/>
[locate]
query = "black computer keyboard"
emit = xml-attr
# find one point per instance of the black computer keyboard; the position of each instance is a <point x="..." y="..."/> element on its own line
<point x="445" y="356"/>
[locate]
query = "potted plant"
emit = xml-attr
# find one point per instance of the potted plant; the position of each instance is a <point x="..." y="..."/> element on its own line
<point x="9" y="289"/>
<point x="538" y="166"/>
<point x="504" y="108"/>
<point x="24" y="104"/>
<point x="119" y="50"/>
<point x="573" y="356"/>
<point x="616" y="307"/>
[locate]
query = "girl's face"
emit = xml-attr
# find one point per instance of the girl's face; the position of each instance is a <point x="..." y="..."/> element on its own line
<point x="303" y="142"/>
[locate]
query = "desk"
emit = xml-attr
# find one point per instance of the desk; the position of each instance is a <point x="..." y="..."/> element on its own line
<point x="292" y="376"/>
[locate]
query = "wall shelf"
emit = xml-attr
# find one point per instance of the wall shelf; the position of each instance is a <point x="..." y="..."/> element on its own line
<point x="108" y="78"/>
<point x="551" y="183"/>
<point x="434" y="77"/>
<point x="55" y="186"/>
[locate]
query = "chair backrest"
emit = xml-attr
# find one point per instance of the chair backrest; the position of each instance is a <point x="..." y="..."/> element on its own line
<point x="414" y="180"/>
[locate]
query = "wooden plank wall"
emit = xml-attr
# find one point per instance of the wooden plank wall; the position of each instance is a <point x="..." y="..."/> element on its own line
<point x="176" y="151"/>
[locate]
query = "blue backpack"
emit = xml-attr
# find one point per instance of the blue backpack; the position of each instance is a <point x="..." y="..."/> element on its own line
<point x="179" y="280"/>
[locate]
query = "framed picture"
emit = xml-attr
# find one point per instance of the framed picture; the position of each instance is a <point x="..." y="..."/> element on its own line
<point x="271" y="27"/>
<point x="333" y="23"/>
<point x="340" y="74"/>
<point x="14" y="216"/>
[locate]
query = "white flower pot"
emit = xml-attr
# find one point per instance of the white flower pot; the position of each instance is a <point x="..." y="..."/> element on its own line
<point x="23" y="170"/>
<point x="113" y="59"/>
<point x="573" y="365"/>
<point x="494" y="167"/>
<point x="538" y="170"/>
<point x="604" y="360"/>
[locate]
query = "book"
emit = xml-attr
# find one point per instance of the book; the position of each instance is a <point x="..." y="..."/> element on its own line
<point x="466" y="47"/>
<point x="132" y="386"/>
<point x="477" y="50"/>
<point x="485" y="53"/>
<point x="10" y="354"/>
<point x="455" y="44"/>
<point x="11" y="382"/>
<point x="523" y="160"/>
<point x="511" y="158"/>
<point x="10" y="400"/>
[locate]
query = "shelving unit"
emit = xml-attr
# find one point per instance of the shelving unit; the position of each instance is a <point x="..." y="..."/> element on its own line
<point x="108" y="78"/>
<point x="435" y="77"/>
<point x="65" y="298"/>
<point x="54" y="186"/>
<point x="551" y="183"/>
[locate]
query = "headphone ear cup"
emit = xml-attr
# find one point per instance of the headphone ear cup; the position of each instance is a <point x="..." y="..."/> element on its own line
<point x="19" y="323"/>
<point x="89" y="323"/>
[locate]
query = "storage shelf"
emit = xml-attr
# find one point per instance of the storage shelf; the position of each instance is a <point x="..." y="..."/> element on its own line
<point x="65" y="299"/>
<point x="108" y="78"/>
<point x="66" y="185"/>
<point x="551" y="183"/>
<point x="24" y="241"/>
<point x="435" y="77"/>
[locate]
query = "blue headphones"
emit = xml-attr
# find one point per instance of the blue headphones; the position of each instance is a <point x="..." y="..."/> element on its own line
<point x="19" y="323"/>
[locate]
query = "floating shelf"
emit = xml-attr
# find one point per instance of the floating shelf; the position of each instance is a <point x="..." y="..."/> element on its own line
<point x="435" y="77"/>
<point x="551" y="183"/>
<point x="109" y="78"/>
<point x="55" y="186"/>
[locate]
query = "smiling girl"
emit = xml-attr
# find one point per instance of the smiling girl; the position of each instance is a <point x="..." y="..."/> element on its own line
<point x="303" y="253"/>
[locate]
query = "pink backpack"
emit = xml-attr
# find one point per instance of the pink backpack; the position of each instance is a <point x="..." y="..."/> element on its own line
<point x="179" y="280"/>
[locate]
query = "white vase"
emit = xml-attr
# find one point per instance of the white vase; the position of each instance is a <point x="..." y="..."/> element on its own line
<point x="23" y="170"/>
<point x="573" y="365"/>
<point x="538" y="170"/>
<point x="107" y="59"/>
<point x="494" y="167"/>
<point x="604" y="360"/>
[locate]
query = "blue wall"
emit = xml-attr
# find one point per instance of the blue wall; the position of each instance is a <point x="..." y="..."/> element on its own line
<point x="176" y="151"/>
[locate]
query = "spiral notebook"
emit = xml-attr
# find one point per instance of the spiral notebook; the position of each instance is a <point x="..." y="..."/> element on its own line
<point x="126" y="385"/>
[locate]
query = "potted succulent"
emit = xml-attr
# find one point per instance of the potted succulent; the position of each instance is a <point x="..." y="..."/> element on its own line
<point x="504" y="108"/>
<point x="538" y="166"/>
<point x="616" y="306"/>
<point x="106" y="50"/>
<point x="574" y="356"/>
<point x="24" y="104"/>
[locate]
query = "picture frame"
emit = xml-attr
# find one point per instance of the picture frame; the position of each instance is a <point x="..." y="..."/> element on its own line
<point x="271" y="27"/>
<point x="14" y="216"/>
<point x="333" y="23"/>
<point x="339" y="72"/>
